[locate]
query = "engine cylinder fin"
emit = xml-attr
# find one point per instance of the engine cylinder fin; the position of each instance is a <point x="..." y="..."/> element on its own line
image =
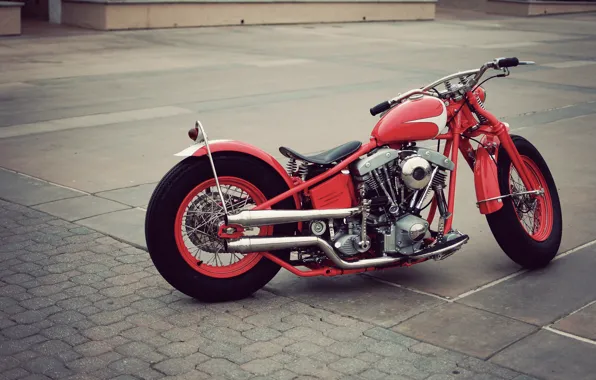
<point x="372" y="183"/>
<point x="439" y="179"/>
<point x="389" y="184"/>
<point x="427" y="196"/>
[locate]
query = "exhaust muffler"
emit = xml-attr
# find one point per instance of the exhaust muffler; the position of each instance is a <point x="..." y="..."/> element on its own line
<point x="256" y="218"/>
<point x="265" y="244"/>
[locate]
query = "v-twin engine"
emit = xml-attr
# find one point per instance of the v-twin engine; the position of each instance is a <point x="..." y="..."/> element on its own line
<point x="398" y="182"/>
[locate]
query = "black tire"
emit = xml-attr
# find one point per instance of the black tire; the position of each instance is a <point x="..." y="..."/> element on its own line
<point x="505" y="225"/>
<point x="161" y="217"/>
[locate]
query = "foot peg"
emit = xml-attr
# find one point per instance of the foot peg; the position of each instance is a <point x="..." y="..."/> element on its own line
<point x="448" y="245"/>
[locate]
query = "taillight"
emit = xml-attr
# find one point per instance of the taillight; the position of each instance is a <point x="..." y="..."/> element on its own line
<point x="193" y="133"/>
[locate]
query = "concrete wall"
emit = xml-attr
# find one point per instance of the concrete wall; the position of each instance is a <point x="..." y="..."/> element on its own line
<point x="470" y="5"/>
<point x="85" y="15"/>
<point x="10" y="18"/>
<point x="143" y="15"/>
<point x="538" y="8"/>
<point x="550" y="7"/>
<point x="507" y="8"/>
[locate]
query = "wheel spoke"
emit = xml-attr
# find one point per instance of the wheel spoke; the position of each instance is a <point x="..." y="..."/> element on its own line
<point x="536" y="216"/>
<point x="211" y="220"/>
<point x="203" y="234"/>
<point x="210" y="259"/>
<point x="199" y="220"/>
<point x="523" y="219"/>
<point x="533" y="212"/>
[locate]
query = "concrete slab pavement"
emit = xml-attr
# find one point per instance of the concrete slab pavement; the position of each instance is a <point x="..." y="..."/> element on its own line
<point x="523" y="298"/>
<point x="552" y="356"/>
<point x="358" y="296"/>
<point x="459" y="327"/>
<point x="74" y="209"/>
<point x="579" y="323"/>
<point x="136" y="196"/>
<point x="123" y="224"/>
<point x="30" y="191"/>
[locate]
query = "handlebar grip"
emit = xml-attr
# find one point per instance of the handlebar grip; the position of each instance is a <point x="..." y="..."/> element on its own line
<point x="381" y="107"/>
<point x="508" y="62"/>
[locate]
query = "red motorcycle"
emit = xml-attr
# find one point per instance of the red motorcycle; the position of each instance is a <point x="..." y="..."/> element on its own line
<point x="224" y="220"/>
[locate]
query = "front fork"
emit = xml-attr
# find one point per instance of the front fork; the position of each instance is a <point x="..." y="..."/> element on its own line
<point x="457" y="143"/>
<point x="501" y="131"/>
<point x="517" y="160"/>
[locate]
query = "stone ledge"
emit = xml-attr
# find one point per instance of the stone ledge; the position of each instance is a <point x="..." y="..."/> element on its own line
<point x="10" y="18"/>
<point x="131" y="2"/>
<point x="538" y="8"/>
<point x="151" y="14"/>
<point x="9" y="4"/>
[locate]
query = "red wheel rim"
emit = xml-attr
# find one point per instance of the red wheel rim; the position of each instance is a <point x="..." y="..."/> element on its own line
<point x="534" y="212"/>
<point x="204" y="223"/>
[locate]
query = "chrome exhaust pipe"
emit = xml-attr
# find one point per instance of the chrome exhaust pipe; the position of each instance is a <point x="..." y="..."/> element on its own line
<point x="266" y="244"/>
<point x="256" y="218"/>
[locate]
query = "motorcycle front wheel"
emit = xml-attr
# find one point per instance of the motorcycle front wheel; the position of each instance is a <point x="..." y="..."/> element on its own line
<point x="183" y="218"/>
<point x="527" y="228"/>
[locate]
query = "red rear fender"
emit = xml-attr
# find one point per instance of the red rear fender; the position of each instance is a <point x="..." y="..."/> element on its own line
<point x="217" y="146"/>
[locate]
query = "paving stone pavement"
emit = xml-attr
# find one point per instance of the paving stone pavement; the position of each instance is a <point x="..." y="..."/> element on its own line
<point x="76" y="304"/>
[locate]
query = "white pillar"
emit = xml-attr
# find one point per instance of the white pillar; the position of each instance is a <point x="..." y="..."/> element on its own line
<point x="55" y="11"/>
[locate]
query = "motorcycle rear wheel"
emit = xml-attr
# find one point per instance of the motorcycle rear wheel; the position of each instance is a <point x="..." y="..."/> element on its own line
<point x="183" y="217"/>
<point x="528" y="229"/>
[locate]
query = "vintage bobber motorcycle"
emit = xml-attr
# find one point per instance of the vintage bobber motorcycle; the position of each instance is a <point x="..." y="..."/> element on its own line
<point x="224" y="220"/>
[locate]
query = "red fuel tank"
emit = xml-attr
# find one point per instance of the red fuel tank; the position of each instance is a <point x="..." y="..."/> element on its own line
<point x="418" y="118"/>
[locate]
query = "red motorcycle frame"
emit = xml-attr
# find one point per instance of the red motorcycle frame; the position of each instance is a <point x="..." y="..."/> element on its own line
<point x="494" y="133"/>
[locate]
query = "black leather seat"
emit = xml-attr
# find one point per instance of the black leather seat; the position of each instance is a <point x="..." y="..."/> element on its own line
<point x="325" y="158"/>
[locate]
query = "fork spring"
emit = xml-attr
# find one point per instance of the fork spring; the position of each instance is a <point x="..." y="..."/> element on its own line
<point x="481" y="118"/>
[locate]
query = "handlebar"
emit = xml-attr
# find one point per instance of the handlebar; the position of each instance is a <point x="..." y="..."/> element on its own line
<point x="497" y="64"/>
<point x="380" y="108"/>
<point x="507" y="62"/>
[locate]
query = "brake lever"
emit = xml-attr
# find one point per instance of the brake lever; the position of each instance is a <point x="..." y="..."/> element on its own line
<point x="506" y="73"/>
<point x="526" y="63"/>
